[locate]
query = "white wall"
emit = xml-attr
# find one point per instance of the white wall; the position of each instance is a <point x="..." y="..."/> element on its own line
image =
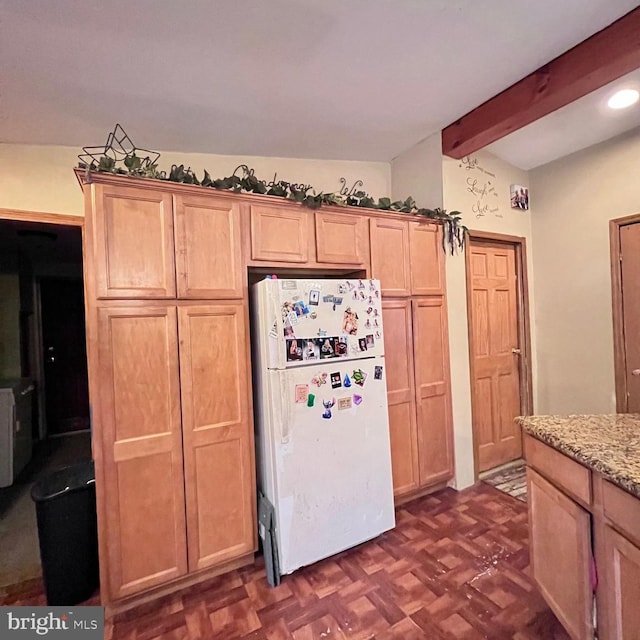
<point x="479" y="188"/>
<point x="40" y="178"/>
<point x="574" y="199"/>
<point x="418" y="172"/>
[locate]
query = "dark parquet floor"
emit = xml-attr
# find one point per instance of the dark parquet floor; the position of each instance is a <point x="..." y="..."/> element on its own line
<point x="455" y="567"/>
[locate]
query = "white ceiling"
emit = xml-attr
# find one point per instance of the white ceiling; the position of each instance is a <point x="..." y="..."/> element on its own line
<point x="342" y="79"/>
<point x="579" y="125"/>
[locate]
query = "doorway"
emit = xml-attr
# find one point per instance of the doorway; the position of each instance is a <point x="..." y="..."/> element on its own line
<point x="625" y="277"/>
<point x="43" y="352"/>
<point x="499" y="346"/>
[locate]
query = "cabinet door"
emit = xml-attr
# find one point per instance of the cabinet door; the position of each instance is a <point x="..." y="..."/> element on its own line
<point x="396" y="316"/>
<point x="218" y="444"/>
<point x="620" y="578"/>
<point x="427" y="259"/>
<point x="433" y="390"/>
<point x="342" y="238"/>
<point x="133" y="243"/>
<point x="560" y="549"/>
<point x="208" y="247"/>
<point x="139" y="423"/>
<point x="390" y="256"/>
<point x="281" y="235"/>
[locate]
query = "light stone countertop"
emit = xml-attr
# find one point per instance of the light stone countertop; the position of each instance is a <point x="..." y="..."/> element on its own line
<point x="608" y="444"/>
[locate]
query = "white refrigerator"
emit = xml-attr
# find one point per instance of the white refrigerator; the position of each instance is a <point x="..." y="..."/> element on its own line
<point x="322" y="425"/>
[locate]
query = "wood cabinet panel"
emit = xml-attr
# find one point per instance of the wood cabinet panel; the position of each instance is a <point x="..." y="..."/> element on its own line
<point x="218" y="445"/>
<point x="390" y="256"/>
<point x="139" y="425"/>
<point x="622" y="510"/>
<point x="565" y="473"/>
<point x="133" y="243"/>
<point x="279" y="234"/>
<point x="560" y="548"/>
<point x="427" y="259"/>
<point x="341" y="238"/>
<point x="620" y="579"/>
<point x="208" y="247"/>
<point x="398" y="343"/>
<point x="433" y="395"/>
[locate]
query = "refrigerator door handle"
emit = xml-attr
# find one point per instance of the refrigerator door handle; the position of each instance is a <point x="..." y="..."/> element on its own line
<point x="286" y="406"/>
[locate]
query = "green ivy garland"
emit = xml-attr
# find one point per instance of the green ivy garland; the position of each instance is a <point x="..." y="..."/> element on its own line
<point x="454" y="235"/>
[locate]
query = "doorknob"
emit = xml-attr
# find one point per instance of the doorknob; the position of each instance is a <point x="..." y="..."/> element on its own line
<point x="635" y="372"/>
<point x="516" y="351"/>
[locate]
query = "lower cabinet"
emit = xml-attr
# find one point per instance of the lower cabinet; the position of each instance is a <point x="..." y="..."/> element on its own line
<point x="560" y="548"/>
<point x="177" y="490"/>
<point x="622" y="584"/>
<point x="418" y="392"/>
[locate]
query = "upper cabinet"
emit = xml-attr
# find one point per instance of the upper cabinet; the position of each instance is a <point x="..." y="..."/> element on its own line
<point x="390" y="261"/>
<point x="208" y="259"/>
<point x="342" y="238"/>
<point x="148" y="243"/>
<point x="133" y="243"/>
<point x="280" y="234"/>
<point x="427" y="259"/>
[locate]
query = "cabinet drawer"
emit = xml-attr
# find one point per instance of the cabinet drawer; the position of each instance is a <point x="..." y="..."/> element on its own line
<point x="622" y="509"/>
<point x="565" y="473"/>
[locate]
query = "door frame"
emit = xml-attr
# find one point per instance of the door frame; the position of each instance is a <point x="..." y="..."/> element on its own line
<point x="67" y="220"/>
<point x="619" y="361"/>
<point x="524" y="324"/>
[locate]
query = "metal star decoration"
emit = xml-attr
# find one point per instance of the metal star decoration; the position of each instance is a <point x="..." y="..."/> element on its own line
<point x="119" y="148"/>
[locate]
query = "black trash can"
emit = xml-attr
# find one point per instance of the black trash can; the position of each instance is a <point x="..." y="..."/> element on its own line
<point x="67" y="531"/>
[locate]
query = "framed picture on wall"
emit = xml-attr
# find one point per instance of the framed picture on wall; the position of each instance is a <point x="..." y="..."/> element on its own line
<point x="519" y="197"/>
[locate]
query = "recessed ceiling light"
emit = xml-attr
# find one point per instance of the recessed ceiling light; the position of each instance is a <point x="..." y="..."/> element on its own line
<point x="623" y="98"/>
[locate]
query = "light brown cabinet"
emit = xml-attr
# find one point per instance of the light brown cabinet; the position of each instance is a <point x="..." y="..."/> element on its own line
<point x="176" y="438"/>
<point x="401" y="399"/>
<point x="560" y="548"/>
<point x="280" y="234"/>
<point x="146" y="240"/>
<point x="577" y="519"/>
<point x="622" y="559"/>
<point x="133" y="242"/>
<point x="390" y="261"/>
<point x="142" y="520"/>
<point x="341" y="238"/>
<point x="208" y="255"/>
<point x="427" y="259"/>
<point x="218" y="456"/>
<point x="433" y="393"/>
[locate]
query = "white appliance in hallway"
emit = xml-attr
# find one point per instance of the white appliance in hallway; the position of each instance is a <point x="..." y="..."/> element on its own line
<point x="322" y="426"/>
<point x="16" y="406"/>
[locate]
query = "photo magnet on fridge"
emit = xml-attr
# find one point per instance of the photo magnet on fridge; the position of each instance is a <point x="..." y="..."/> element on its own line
<point x="359" y="377"/>
<point x="350" y="322"/>
<point x="327" y="349"/>
<point x="336" y="380"/>
<point x="377" y="372"/>
<point x="370" y="341"/>
<point x="294" y="350"/>
<point x="301" y="308"/>
<point x="327" y="298"/>
<point x="302" y="393"/>
<point x="311" y="350"/>
<point x="362" y="344"/>
<point x="314" y="296"/>
<point x="341" y="346"/>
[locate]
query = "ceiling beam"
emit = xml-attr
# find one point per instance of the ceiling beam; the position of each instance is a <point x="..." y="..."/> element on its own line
<point x="600" y="59"/>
